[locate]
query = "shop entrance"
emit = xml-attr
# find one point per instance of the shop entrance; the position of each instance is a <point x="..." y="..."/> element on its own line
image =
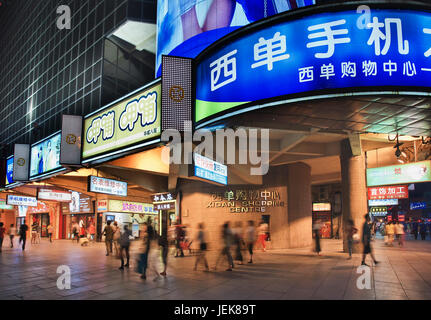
<point x="42" y="222"/>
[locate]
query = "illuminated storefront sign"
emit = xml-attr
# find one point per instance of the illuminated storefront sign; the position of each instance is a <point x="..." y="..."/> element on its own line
<point x="163" y="197"/>
<point x="107" y="186"/>
<point x="418" y="205"/>
<point x="379" y="211"/>
<point x="246" y="201"/>
<point x="80" y="203"/>
<point x="321" y="207"/>
<point x="4" y="206"/>
<point x="130" y="207"/>
<point x="102" y="206"/>
<point x="179" y="22"/>
<point x="393" y="192"/>
<point x="54" y="195"/>
<point x="319" y="54"/>
<point x="383" y="202"/>
<point x="404" y="173"/>
<point x="45" y="156"/>
<point x="210" y="170"/>
<point x="129" y="123"/>
<point x="21" y="201"/>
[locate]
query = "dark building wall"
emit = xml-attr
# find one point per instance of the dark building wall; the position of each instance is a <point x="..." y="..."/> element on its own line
<point x="46" y="72"/>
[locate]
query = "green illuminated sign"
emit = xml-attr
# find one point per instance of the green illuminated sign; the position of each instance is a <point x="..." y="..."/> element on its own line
<point x="404" y="173"/>
<point x="133" y="120"/>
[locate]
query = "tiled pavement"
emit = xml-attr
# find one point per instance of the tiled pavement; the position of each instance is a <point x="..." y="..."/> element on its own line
<point x="404" y="273"/>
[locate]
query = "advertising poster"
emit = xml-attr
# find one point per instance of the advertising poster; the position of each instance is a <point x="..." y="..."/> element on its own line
<point x="9" y="171"/>
<point x="186" y="27"/>
<point x="404" y="173"/>
<point x="45" y="156"/>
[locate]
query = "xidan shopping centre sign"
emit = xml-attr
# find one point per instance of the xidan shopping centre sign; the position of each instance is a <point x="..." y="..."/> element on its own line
<point x="130" y="121"/>
<point x="319" y="54"/>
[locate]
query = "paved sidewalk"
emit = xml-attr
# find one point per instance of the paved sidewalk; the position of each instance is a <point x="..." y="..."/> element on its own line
<point x="404" y="273"/>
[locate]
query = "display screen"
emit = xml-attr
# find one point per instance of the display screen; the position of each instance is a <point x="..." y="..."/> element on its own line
<point x="45" y="156"/>
<point x="9" y="171"/>
<point x="186" y="27"/>
<point x="128" y="121"/>
<point x="317" y="54"/>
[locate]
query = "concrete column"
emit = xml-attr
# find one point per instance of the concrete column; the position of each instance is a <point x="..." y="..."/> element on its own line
<point x="299" y="205"/>
<point x="354" y="189"/>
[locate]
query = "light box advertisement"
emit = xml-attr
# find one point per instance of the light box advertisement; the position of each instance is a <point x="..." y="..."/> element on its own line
<point x="210" y="170"/>
<point x="107" y="186"/>
<point x="45" y="156"/>
<point x="4" y="206"/>
<point x="14" y="200"/>
<point x="130" y="207"/>
<point x="321" y="207"/>
<point x="322" y="53"/>
<point x="54" y="195"/>
<point x="186" y="27"/>
<point x="127" y="122"/>
<point x="383" y="202"/>
<point x="418" y="205"/>
<point x="399" y="174"/>
<point x="9" y="171"/>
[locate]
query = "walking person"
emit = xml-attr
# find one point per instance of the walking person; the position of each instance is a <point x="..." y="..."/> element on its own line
<point x="366" y="240"/>
<point x="202" y="248"/>
<point x="423" y="230"/>
<point x="116" y="238"/>
<point x="108" y="232"/>
<point x="124" y="243"/>
<point x="227" y="243"/>
<point x="238" y="238"/>
<point x="399" y="231"/>
<point x="164" y="249"/>
<point x="250" y="236"/>
<point x="316" y="232"/>
<point x="351" y="231"/>
<point x="143" y="257"/>
<point x="262" y="230"/>
<point x="50" y="230"/>
<point x="12" y="233"/>
<point x="2" y="233"/>
<point x="23" y="235"/>
<point x="390" y="231"/>
<point x="34" y="228"/>
<point x="75" y="232"/>
<point x="91" y="231"/>
<point x="179" y="238"/>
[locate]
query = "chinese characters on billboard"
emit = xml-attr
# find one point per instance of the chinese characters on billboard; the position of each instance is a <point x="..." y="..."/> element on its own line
<point x="393" y="192"/>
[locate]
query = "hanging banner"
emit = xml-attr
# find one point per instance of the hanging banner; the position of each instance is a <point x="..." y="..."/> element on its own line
<point x="54" y="195"/>
<point x="21" y="162"/>
<point x="312" y="55"/>
<point x="14" y="200"/>
<point x="210" y="170"/>
<point x="71" y="140"/>
<point x="130" y="122"/>
<point x="394" y="192"/>
<point x="9" y="171"/>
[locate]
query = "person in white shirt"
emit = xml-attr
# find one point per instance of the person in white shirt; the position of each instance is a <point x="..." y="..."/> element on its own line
<point x="250" y="238"/>
<point x="399" y="231"/>
<point x="12" y="233"/>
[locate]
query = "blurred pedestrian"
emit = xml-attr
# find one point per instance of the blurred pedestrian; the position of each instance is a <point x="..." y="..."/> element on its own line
<point x="202" y="248"/>
<point x="179" y="238"/>
<point x="250" y="236"/>
<point x="23" y="235"/>
<point x="239" y="240"/>
<point x="227" y="238"/>
<point x="75" y="231"/>
<point x="143" y="256"/>
<point x="2" y="233"/>
<point x="317" y="226"/>
<point x="366" y="240"/>
<point x="50" y="230"/>
<point x="262" y="234"/>
<point x="124" y="243"/>
<point x="91" y="231"/>
<point x="164" y="249"/>
<point x="351" y="232"/>
<point x="390" y="231"/>
<point x="415" y="229"/>
<point x="116" y="237"/>
<point x="423" y="230"/>
<point x="34" y="229"/>
<point x="108" y="232"/>
<point x="12" y="233"/>
<point x="399" y="231"/>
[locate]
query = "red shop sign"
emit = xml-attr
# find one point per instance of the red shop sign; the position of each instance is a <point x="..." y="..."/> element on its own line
<point x="393" y="192"/>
